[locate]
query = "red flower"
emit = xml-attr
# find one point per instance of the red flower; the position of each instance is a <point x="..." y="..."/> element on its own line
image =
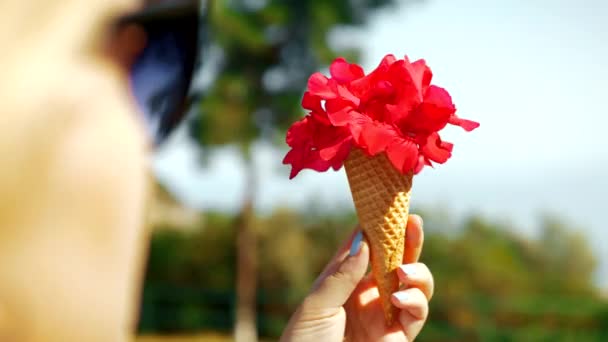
<point x="393" y="110"/>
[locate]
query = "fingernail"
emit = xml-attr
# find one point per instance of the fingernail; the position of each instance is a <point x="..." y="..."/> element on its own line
<point x="408" y="269"/>
<point x="355" y="247"/>
<point x="420" y="221"/>
<point x="400" y="296"/>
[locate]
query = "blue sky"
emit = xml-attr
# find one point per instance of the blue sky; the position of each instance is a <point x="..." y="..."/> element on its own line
<point x="533" y="73"/>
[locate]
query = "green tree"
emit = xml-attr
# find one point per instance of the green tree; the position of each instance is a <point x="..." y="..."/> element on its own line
<point x="494" y="285"/>
<point x="565" y="253"/>
<point x="268" y="49"/>
<point x="491" y="283"/>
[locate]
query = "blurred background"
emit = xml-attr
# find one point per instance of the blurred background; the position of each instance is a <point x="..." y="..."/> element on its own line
<point x="514" y="224"/>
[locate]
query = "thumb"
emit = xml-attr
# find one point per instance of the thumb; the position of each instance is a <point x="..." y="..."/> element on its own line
<point x="335" y="285"/>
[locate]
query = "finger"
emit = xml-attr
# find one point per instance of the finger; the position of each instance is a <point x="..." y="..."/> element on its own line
<point x="333" y="289"/>
<point x="413" y="301"/>
<point x="411" y="325"/>
<point x="419" y="276"/>
<point x="414" y="238"/>
<point x="340" y="255"/>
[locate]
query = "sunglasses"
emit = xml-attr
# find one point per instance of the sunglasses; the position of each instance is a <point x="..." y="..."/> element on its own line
<point x="161" y="74"/>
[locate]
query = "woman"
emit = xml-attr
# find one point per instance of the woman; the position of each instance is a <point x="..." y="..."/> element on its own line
<point x="73" y="184"/>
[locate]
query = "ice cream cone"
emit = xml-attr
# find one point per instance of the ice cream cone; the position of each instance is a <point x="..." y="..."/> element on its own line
<point x="381" y="195"/>
<point x="394" y="113"/>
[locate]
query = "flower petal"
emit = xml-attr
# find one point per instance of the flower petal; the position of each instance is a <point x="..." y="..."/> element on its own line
<point x="422" y="162"/>
<point x="436" y="150"/>
<point x="311" y="102"/>
<point x="403" y="154"/>
<point x="347" y="95"/>
<point x="432" y="115"/>
<point x="377" y="137"/>
<point x="319" y="85"/>
<point x="467" y="125"/>
<point x="407" y="96"/>
<point x="320" y="117"/>
<point x="330" y="144"/>
<point x="362" y="86"/>
<point x="344" y="72"/>
<point x="301" y="158"/>
<point x="316" y="146"/>
<point x="340" y="117"/>
<point x="298" y="133"/>
<point x="356" y="125"/>
<point x="421" y="75"/>
<point x="387" y="60"/>
<point x="342" y="154"/>
<point x="439" y="97"/>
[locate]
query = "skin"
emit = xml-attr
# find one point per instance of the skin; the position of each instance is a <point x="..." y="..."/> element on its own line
<point x="344" y="305"/>
<point x="72" y="235"/>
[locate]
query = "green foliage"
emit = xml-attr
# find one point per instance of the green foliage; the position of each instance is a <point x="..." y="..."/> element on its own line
<point x="495" y="286"/>
<point x="175" y="255"/>
<point x="491" y="284"/>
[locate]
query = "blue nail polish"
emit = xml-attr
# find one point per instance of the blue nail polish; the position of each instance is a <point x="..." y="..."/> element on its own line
<point x="400" y="296"/>
<point x="355" y="247"/>
<point x="408" y="269"/>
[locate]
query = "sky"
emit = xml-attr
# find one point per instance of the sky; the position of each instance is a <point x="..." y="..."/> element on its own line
<point x="533" y="73"/>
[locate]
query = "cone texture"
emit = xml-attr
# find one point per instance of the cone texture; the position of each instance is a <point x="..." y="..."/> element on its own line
<point x="382" y="196"/>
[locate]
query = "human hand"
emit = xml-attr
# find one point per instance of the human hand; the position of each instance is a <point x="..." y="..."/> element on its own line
<point x="344" y="302"/>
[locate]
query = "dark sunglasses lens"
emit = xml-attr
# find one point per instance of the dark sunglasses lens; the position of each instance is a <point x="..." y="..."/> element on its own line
<point x="161" y="76"/>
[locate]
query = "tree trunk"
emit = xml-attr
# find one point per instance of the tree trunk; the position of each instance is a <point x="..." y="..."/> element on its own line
<point x="245" y="329"/>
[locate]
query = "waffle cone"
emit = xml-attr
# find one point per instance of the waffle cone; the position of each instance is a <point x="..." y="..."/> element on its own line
<point x="381" y="195"/>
